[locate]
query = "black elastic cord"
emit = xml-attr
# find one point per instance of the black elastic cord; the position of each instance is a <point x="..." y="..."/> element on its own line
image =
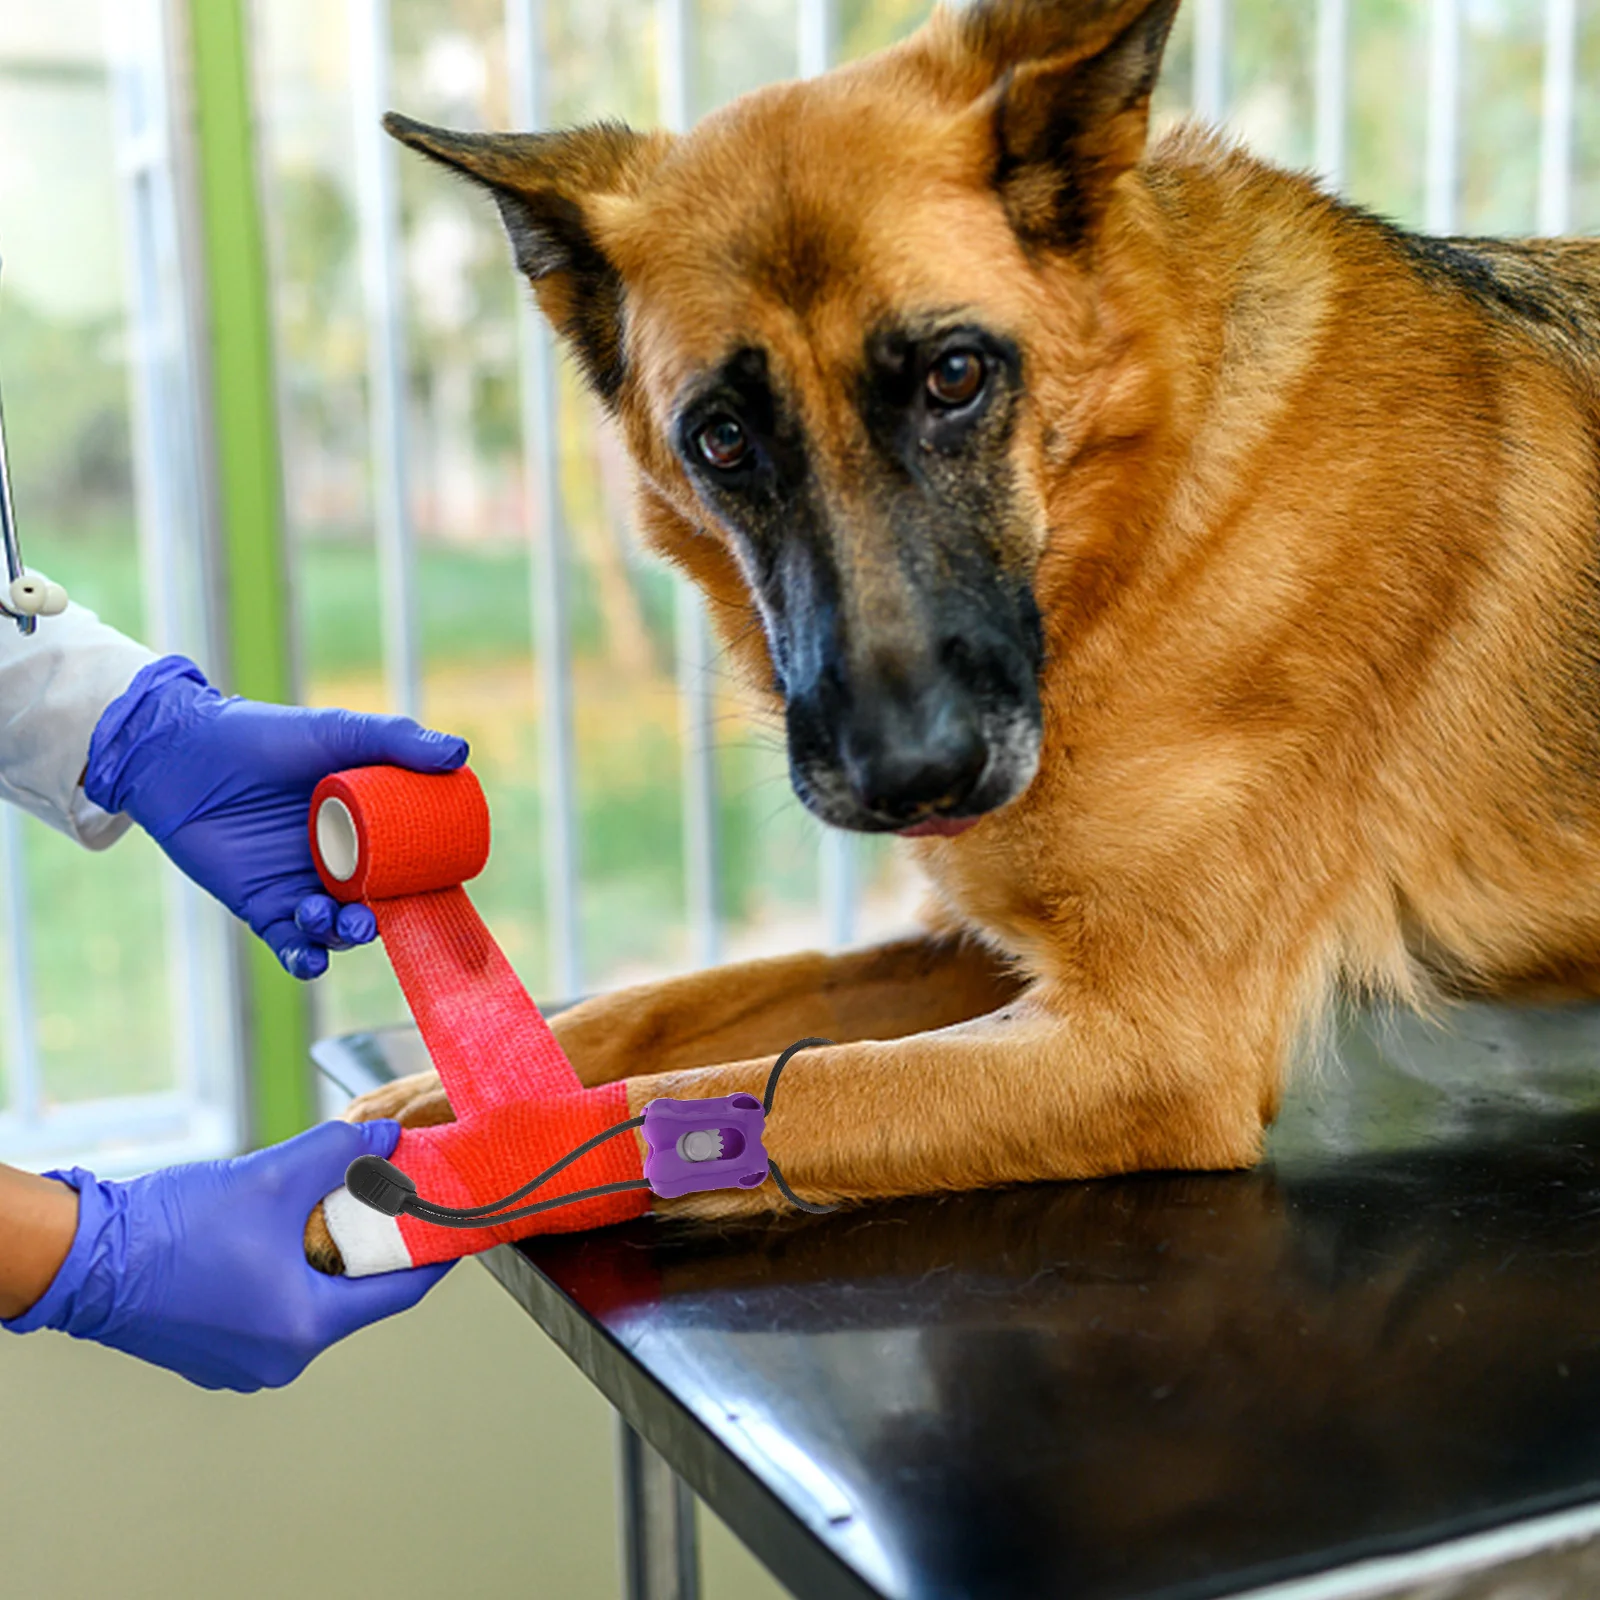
<point x="493" y="1214"/>
<point x="488" y="1211"/>
<point x="789" y="1194"/>
<point x="780" y="1064"/>
<point x="427" y="1213"/>
<point x="772" y="1166"/>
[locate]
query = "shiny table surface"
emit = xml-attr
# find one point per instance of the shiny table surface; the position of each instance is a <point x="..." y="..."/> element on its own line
<point x="1171" y="1385"/>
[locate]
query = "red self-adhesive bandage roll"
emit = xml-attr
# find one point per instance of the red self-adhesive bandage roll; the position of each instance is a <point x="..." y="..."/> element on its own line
<point x="378" y="832"/>
<point x="405" y="842"/>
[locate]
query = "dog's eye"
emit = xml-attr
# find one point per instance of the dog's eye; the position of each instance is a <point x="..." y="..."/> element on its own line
<point x="722" y="444"/>
<point x="955" y="379"/>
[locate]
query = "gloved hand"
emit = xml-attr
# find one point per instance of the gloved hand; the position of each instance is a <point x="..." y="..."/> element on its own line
<point x="202" y="1269"/>
<point x="224" y="787"/>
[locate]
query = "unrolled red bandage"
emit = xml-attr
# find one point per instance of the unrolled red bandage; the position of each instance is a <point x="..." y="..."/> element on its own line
<point x="405" y="842"/>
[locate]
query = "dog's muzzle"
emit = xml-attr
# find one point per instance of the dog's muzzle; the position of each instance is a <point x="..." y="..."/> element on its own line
<point x="884" y="755"/>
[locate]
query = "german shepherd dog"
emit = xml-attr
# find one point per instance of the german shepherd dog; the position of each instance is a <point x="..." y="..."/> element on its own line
<point x="1200" y="573"/>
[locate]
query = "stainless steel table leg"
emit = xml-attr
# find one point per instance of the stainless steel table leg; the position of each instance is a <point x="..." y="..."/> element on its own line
<point x="660" y="1549"/>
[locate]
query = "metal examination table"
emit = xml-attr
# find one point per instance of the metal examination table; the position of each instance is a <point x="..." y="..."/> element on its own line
<point x="1371" y="1367"/>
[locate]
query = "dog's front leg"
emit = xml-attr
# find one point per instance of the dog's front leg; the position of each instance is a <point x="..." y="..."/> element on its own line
<point x="756" y="1008"/>
<point x="1049" y="1086"/>
<point x="1040" y="1089"/>
<point x="749" y="1009"/>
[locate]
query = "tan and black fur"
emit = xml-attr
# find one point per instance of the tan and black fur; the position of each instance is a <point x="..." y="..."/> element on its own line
<point x="1252" y="607"/>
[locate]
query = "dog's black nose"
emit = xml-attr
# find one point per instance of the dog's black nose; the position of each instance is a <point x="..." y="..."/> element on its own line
<point x="910" y="758"/>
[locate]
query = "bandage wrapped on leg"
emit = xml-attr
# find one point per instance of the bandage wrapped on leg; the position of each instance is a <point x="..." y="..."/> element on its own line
<point x="475" y="1162"/>
<point x="405" y="846"/>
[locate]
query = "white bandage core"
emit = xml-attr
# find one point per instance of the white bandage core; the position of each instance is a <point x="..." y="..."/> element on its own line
<point x="336" y="839"/>
<point x="368" y="1241"/>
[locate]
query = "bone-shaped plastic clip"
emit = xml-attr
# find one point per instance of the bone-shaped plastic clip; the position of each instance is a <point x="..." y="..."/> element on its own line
<point x="704" y="1144"/>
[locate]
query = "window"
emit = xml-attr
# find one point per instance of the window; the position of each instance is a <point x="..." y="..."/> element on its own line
<point x="118" y="985"/>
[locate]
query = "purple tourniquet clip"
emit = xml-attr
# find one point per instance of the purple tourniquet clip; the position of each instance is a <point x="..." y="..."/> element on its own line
<point x="704" y="1144"/>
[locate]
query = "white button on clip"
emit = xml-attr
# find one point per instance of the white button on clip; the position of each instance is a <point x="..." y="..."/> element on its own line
<point x="701" y="1144"/>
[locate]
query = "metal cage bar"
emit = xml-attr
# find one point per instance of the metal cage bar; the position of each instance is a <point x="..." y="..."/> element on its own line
<point x="378" y="200"/>
<point x="1559" y="106"/>
<point x="547" y="533"/>
<point x="1211" y="36"/>
<point x="1443" y="163"/>
<point x="817" y="41"/>
<point x="20" y="1028"/>
<point x="1331" y="78"/>
<point x="21" y="1032"/>
<point x="699" y="777"/>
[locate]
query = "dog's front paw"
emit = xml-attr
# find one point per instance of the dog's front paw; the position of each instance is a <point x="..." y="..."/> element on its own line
<point x="321" y="1251"/>
<point x="415" y="1102"/>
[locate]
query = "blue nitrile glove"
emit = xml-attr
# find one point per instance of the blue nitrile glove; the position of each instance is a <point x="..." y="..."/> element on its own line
<point x="202" y="1269"/>
<point x="224" y="787"/>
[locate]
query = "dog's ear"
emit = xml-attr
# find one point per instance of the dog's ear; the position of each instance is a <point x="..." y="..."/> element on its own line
<point x="1070" y="95"/>
<point x="545" y="185"/>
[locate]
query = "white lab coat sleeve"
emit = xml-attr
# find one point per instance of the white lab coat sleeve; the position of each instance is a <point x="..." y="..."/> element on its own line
<point x="54" y="686"/>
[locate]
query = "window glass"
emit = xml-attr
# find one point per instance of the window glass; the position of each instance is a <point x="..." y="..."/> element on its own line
<point x="115" y="983"/>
